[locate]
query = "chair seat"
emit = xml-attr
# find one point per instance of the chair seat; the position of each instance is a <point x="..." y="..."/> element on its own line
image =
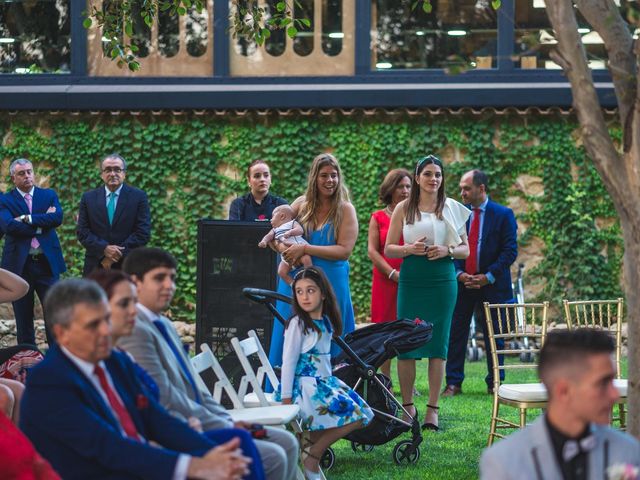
<point x="621" y="385"/>
<point x="523" y="392"/>
<point x="251" y="400"/>
<point x="275" y="415"/>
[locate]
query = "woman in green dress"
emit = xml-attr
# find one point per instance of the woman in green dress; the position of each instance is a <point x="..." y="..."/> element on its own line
<point x="433" y="228"/>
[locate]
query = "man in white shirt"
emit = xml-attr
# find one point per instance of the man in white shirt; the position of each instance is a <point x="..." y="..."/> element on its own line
<point x="156" y="346"/>
<point x="86" y="412"/>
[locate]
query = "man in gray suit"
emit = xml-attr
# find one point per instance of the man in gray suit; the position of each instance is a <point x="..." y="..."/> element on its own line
<point x="572" y="440"/>
<point x="156" y="346"/>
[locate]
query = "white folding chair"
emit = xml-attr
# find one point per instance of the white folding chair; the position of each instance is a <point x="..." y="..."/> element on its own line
<point x="276" y="415"/>
<point x="257" y="397"/>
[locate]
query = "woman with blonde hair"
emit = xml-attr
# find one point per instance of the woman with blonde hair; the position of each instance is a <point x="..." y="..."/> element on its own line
<point x="331" y="228"/>
<point x="433" y="228"/>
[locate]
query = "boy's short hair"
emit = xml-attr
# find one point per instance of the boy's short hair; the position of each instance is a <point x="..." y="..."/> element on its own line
<point x="144" y="259"/>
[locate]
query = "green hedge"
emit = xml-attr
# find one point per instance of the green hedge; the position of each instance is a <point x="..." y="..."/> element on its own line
<point x="178" y="160"/>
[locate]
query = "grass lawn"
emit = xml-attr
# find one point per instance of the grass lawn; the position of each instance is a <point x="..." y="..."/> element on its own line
<point x="451" y="453"/>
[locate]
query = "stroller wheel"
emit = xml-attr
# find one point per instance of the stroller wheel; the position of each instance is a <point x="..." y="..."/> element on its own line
<point x="328" y="459"/>
<point x="527" y="357"/>
<point x="405" y="453"/>
<point x="361" y="447"/>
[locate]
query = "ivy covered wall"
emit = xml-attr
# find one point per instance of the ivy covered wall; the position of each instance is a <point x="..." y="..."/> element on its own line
<point x="191" y="166"/>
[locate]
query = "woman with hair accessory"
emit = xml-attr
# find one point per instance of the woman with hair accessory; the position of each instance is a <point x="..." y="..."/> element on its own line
<point x="433" y="228"/>
<point x="258" y="204"/>
<point x="386" y="271"/>
<point x="331" y="228"/>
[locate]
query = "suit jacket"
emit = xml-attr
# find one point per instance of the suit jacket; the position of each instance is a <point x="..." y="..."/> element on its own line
<point x="152" y="353"/>
<point x="131" y="226"/>
<point x="528" y="454"/>
<point x="71" y="426"/>
<point x="18" y="235"/>
<point x="499" y="249"/>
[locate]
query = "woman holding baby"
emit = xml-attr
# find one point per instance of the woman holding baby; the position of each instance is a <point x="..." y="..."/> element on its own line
<point x="331" y="228"/>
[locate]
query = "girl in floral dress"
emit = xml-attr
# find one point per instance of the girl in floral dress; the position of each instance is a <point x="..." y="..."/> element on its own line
<point x="329" y="409"/>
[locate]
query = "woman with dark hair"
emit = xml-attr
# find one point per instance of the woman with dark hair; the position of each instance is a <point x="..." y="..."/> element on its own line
<point x="331" y="228"/>
<point x="258" y="204"/>
<point x="386" y="271"/>
<point x="433" y="228"/>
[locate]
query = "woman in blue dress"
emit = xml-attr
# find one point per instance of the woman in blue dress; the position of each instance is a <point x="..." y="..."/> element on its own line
<point x="331" y="228"/>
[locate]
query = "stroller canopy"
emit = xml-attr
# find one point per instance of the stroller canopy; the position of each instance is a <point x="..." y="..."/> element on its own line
<point x="377" y="343"/>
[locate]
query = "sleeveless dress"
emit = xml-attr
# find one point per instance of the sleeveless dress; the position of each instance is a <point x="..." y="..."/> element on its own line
<point x="384" y="291"/>
<point x="325" y="401"/>
<point x="337" y="272"/>
<point x="428" y="288"/>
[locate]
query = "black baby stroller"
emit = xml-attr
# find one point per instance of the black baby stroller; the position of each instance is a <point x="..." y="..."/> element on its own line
<point x="363" y="352"/>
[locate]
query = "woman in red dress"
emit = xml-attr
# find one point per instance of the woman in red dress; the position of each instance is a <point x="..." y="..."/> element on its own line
<point x="384" y="289"/>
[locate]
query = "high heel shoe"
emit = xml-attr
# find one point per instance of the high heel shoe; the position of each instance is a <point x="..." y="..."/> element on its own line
<point x="414" y="414"/>
<point x="430" y="425"/>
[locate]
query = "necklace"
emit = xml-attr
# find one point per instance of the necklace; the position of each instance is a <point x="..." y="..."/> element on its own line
<point x="389" y="210"/>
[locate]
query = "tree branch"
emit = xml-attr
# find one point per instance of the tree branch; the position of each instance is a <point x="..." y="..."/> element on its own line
<point x="605" y="18"/>
<point x="595" y="133"/>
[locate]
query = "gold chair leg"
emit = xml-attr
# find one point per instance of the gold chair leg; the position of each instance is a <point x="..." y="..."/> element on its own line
<point x="623" y="416"/>
<point x="523" y="417"/>
<point x="494" y="420"/>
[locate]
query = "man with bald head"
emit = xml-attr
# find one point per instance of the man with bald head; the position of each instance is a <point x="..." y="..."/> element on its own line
<point x="572" y="439"/>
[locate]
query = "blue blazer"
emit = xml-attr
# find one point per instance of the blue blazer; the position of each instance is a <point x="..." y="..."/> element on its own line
<point x="131" y="226"/>
<point x="18" y="235"/>
<point x="499" y="249"/>
<point x="70" y="425"/>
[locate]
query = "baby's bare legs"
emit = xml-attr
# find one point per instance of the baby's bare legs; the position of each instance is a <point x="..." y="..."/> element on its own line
<point x="283" y="272"/>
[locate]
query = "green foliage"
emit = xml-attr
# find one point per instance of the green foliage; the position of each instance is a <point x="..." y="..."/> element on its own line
<point x="182" y="164"/>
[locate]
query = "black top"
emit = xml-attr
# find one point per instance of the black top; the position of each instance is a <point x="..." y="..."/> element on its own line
<point x="246" y="209"/>
<point x="577" y="467"/>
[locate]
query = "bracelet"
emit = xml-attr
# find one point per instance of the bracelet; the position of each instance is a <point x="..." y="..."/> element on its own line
<point x="392" y="272"/>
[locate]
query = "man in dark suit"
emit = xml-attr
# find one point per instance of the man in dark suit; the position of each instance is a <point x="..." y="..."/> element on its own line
<point x="572" y="439"/>
<point x="112" y="219"/>
<point x="484" y="276"/>
<point x="29" y="216"/>
<point x="86" y="412"/>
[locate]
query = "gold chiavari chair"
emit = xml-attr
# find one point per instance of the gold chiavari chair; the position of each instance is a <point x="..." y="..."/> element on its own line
<point x="517" y="331"/>
<point x="605" y="315"/>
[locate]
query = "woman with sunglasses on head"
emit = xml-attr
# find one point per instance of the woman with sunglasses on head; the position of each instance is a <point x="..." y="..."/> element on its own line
<point x="258" y="204"/>
<point x="433" y="228"/>
<point x="331" y="228"/>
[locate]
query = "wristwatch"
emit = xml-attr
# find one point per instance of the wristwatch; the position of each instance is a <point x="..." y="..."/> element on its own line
<point x="450" y="250"/>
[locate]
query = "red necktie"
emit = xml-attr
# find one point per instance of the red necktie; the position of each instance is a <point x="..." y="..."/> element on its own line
<point x="471" y="264"/>
<point x="123" y="415"/>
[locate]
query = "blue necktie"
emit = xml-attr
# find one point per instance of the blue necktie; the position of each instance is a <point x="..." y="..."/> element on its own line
<point x="111" y="206"/>
<point x="162" y="328"/>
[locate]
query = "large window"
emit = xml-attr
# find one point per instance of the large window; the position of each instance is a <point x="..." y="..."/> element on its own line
<point x="35" y="36"/>
<point x="535" y="38"/>
<point x="454" y="32"/>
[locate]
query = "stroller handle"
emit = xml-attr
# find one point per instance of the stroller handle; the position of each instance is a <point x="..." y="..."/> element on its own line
<point x="260" y="295"/>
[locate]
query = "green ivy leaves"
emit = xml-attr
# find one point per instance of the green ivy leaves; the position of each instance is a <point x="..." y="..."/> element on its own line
<point x="187" y="165"/>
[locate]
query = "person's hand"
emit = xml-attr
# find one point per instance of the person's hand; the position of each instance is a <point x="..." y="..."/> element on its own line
<point x="106" y="263"/>
<point x="293" y="254"/>
<point x="195" y="423"/>
<point x="224" y="462"/>
<point x="51" y="209"/>
<point x="419" y="247"/>
<point x="242" y="425"/>
<point x="436" y="252"/>
<point x="113" y="252"/>
<point x="464" y="278"/>
<point x="477" y="281"/>
<point x="262" y="244"/>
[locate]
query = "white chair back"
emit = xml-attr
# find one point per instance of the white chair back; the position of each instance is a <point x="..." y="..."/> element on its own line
<point x="205" y="360"/>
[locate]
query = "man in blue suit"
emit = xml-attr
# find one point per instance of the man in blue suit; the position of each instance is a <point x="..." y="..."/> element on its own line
<point x="113" y="219"/>
<point x="29" y="217"/>
<point x="484" y="276"/>
<point x="86" y="412"/>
